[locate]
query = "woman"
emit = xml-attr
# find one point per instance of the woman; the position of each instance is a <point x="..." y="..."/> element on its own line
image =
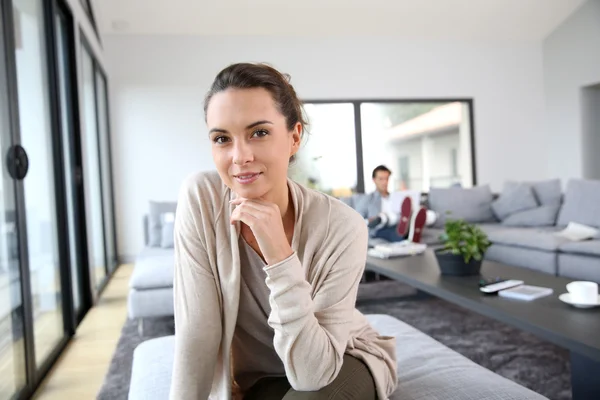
<point x="267" y="271"/>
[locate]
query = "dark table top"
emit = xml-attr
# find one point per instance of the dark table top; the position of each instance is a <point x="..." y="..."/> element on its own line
<point x="575" y="329"/>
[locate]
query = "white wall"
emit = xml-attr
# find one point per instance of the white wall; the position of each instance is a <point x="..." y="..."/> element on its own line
<point x="571" y="61"/>
<point x="158" y="84"/>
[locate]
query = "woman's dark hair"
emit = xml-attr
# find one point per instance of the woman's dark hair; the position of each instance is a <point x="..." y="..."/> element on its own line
<point x="251" y="76"/>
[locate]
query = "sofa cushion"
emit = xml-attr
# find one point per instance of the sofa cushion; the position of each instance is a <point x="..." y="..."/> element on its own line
<point x="588" y="247"/>
<point x="150" y="303"/>
<point x="547" y="193"/>
<point x="152" y="368"/>
<point x="429" y="370"/>
<point x="487" y="228"/>
<point x="153" y="272"/>
<point x="540" y="239"/>
<point x="578" y="267"/>
<point x="167" y="239"/>
<point x="514" y="199"/>
<point x="156" y="220"/>
<point x="581" y="203"/>
<point x="537" y="260"/>
<point x="539" y="216"/>
<point x="426" y="369"/>
<point x="472" y="205"/>
<point x="149" y="252"/>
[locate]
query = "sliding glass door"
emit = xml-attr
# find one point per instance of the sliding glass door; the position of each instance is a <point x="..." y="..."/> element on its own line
<point x="13" y="373"/>
<point x="39" y="186"/>
<point x="91" y="173"/>
<point x="44" y="280"/>
<point x="106" y="170"/>
<point x="72" y="170"/>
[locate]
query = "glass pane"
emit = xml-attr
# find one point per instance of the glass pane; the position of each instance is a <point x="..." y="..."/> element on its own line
<point x="106" y="175"/>
<point x="12" y="344"/>
<point x="67" y="133"/>
<point x="326" y="160"/>
<point x="36" y="138"/>
<point x="424" y="144"/>
<point x="91" y="174"/>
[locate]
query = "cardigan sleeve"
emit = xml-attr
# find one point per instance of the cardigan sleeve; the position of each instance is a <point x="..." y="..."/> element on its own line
<point x="311" y="334"/>
<point x="197" y="309"/>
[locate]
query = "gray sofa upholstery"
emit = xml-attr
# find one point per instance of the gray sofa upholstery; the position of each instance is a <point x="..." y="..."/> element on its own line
<point x="151" y="283"/>
<point x="536" y="247"/>
<point x="426" y="369"/>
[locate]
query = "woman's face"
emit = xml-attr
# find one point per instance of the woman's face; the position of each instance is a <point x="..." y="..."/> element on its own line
<point x="251" y="145"/>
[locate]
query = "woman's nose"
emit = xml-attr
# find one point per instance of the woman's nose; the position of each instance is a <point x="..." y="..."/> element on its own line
<point x="242" y="153"/>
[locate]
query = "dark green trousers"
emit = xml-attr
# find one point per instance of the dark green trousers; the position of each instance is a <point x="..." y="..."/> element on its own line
<point x="354" y="382"/>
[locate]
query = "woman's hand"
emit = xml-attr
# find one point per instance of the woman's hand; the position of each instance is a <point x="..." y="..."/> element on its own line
<point x="264" y="219"/>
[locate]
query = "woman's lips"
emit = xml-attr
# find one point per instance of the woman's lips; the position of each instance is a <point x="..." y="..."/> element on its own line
<point x="247" y="178"/>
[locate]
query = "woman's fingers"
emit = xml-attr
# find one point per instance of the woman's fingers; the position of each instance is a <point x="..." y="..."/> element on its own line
<point x="245" y="217"/>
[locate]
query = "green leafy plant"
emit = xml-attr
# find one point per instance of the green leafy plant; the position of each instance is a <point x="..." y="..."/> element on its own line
<point x="463" y="238"/>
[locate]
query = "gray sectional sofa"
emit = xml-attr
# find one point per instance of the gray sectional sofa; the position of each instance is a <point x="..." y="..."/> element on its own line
<point x="426" y="369"/>
<point x="151" y="283"/>
<point x="522" y="223"/>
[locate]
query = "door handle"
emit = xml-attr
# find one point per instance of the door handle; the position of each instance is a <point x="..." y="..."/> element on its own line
<point x="17" y="162"/>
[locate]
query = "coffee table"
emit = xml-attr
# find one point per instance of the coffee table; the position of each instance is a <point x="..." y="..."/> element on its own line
<point x="577" y="330"/>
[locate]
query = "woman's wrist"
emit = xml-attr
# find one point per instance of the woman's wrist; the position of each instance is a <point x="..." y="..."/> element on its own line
<point x="279" y="256"/>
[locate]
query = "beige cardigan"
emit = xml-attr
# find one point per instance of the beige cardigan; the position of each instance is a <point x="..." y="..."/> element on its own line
<point x="313" y="294"/>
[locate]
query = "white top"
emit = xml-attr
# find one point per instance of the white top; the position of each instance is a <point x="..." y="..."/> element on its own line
<point x="392" y="216"/>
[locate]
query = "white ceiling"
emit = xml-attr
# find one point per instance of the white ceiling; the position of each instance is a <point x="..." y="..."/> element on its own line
<point x="423" y="19"/>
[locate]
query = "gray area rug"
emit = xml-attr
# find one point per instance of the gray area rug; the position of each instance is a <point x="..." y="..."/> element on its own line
<point x="116" y="382"/>
<point x="516" y="355"/>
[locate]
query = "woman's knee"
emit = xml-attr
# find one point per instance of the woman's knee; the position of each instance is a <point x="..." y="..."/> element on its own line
<point x="354" y="382"/>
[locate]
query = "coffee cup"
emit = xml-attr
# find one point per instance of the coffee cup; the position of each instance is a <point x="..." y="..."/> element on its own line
<point x="583" y="292"/>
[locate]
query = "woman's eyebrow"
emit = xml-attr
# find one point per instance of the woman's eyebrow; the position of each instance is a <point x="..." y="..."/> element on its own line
<point x="258" y="123"/>
<point x="252" y="125"/>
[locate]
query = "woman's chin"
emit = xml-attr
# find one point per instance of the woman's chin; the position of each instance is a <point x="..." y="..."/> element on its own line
<point x="248" y="192"/>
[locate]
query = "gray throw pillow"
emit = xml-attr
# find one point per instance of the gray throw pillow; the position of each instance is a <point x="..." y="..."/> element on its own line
<point x="581" y="203"/>
<point x="167" y="239"/>
<point x="539" y="216"/>
<point x="155" y="220"/>
<point x="514" y="199"/>
<point x="472" y="205"/>
<point x="547" y="193"/>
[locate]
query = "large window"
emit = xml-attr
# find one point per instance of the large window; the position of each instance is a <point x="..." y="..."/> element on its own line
<point x="327" y="157"/>
<point x="425" y="143"/>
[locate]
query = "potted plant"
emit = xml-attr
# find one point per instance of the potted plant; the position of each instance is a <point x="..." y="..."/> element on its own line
<point x="464" y="247"/>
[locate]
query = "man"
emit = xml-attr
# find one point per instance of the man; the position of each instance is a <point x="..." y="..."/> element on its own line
<point x="383" y="220"/>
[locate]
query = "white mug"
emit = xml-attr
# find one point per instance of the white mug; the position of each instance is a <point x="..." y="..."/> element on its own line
<point x="583" y="292"/>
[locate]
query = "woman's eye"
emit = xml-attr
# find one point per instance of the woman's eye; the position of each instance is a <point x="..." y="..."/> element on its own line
<point x="220" y="139"/>
<point x="260" y="133"/>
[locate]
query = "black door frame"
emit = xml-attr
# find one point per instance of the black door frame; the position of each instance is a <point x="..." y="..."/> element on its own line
<point x="62" y="11"/>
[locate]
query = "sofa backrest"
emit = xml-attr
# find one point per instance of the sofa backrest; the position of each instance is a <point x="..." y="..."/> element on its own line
<point x="581" y="203"/>
<point x="146" y="227"/>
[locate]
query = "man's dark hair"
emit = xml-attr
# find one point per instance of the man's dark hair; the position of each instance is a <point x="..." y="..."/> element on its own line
<point x="381" y="168"/>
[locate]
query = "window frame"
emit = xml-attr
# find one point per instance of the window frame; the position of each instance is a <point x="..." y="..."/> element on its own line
<point x="360" y="180"/>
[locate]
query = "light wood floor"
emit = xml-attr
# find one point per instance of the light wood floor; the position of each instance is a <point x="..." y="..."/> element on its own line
<point x="80" y="371"/>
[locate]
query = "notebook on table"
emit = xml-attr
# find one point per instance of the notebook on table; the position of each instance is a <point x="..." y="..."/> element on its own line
<point x="525" y="292"/>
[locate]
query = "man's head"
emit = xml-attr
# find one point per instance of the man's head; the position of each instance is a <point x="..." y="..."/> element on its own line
<point x="381" y="177"/>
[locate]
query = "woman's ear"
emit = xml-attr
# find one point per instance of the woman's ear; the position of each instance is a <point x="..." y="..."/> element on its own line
<point x="296" y="138"/>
